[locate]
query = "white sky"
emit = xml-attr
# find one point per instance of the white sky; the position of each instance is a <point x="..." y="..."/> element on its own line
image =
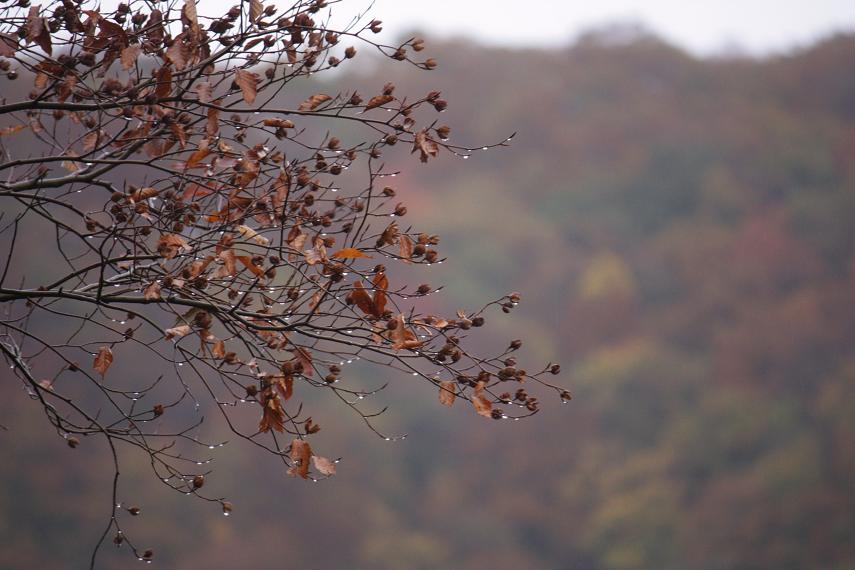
<point x="702" y="26"/>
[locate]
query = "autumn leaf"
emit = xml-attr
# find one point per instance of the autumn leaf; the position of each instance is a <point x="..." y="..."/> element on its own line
<point x="256" y="9"/>
<point x="402" y="336"/>
<point x="103" y="360"/>
<point x="170" y="244"/>
<point x="248" y="83"/>
<point x="304" y="357"/>
<point x="247" y="262"/>
<point x="250" y="233"/>
<point x="36" y="30"/>
<point x="177" y="332"/>
<point x="12" y="130"/>
<point x="381" y="284"/>
<point x="129" y="56"/>
<point x="362" y="299"/>
<point x="273" y="417"/>
<point x="219" y="350"/>
<point x="8" y="45"/>
<point x="229" y="266"/>
<point x="300" y="455"/>
<point x="378" y="101"/>
<point x="163" y="79"/>
<point x="447" y="392"/>
<point x="152" y="292"/>
<point x="285" y="385"/>
<point x="350" y="253"/>
<point x="323" y="465"/>
<point x="278" y="123"/>
<point x="426" y="147"/>
<point x="482" y="404"/>
<point x="406" y="248"/>
<point x="312" y="102"/>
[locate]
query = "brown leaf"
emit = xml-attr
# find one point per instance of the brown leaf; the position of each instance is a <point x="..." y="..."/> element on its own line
<point x="273" y="415"/>
<point x="406" y="247"/>
<point x="12" y="130"/>
<point x="204" y="91"/>
<point x="381" y="284"/>
<point x="350" y="253"/>
<point x="179" y="331"/>
<point x="278" y="123"/>
<point x="362" y="300"/>
<point x="229" y="266"/>
<point x="163" y="78"/>
<point x="300" y="455"/>
<point x="189" y="12"/>
<point x="8" y="45"/>
<point x="285" y="385"/>
<point x="403" y="337"/>
<point x="250" y="233"/>
<point x="152" y="292"/>
<point x="37" y="31"/>
<point x="447" y="392"/>
<point x="170" y="244"/>
<point x="219" y="350"/>
<point x="305" y="358"/>
<point x="248" y="83"/>
<point x="312" y="102"/>
<point x="247" y="262"/>
<point x="256" y="9"/>
<point x="323" y="465"/>
<point x="178" y="131"/>
<point x="378" y="101"/>
<point x="198" y="155"/>
<point x="426" y="147"/>
<point x="103" y="360"/>
<point x="482" y="404"/>
<point x="129" y="56"/>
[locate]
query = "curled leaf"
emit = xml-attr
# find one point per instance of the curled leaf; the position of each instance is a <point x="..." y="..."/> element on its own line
<point x="103" y="360"/>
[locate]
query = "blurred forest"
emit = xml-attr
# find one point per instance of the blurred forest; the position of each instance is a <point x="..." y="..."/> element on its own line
<point x="682" y="232"/>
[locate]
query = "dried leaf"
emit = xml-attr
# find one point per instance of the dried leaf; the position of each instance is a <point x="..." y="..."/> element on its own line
<point x="256" y="9"/>
<point x="163" y="79"/>
<point x="305" y="358"/>
<point x="152" y="292"/>
<point x="381" y="284"/>
<point x="273" y="415"/>
<point x="447" y="392"/>
<point x="203" y="90"/>
<point x="312" y="102"/>
<point x="482" y="404"/>
<point x="8" y="45"/>
<point x="350" y="253"/>
<point x="285" y="385"/>
<point x="406" y="247"/>
<point x="278" y="123"/>
<point x="179" y="331"/>
<point x="426" y="147"/>
<point x="12" y="130"/>
<point x="129" y="56"/>
<point x="378" y="101"/>
<point x="219" y="350"/>
<point x="300" y="455"/>
<point x="170" y="244"/>
<point x="362" y="299"/>
<point x="323" y="465"/>
<point x="37" y="31"/>
<point x="250" y="233"/>
<point x="103" y="360"/>
<point x="248" y="83"/>
<point x="247" y="262"/>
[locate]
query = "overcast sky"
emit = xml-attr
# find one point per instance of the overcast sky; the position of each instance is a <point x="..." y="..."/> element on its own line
<point x="702" y="26"/>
